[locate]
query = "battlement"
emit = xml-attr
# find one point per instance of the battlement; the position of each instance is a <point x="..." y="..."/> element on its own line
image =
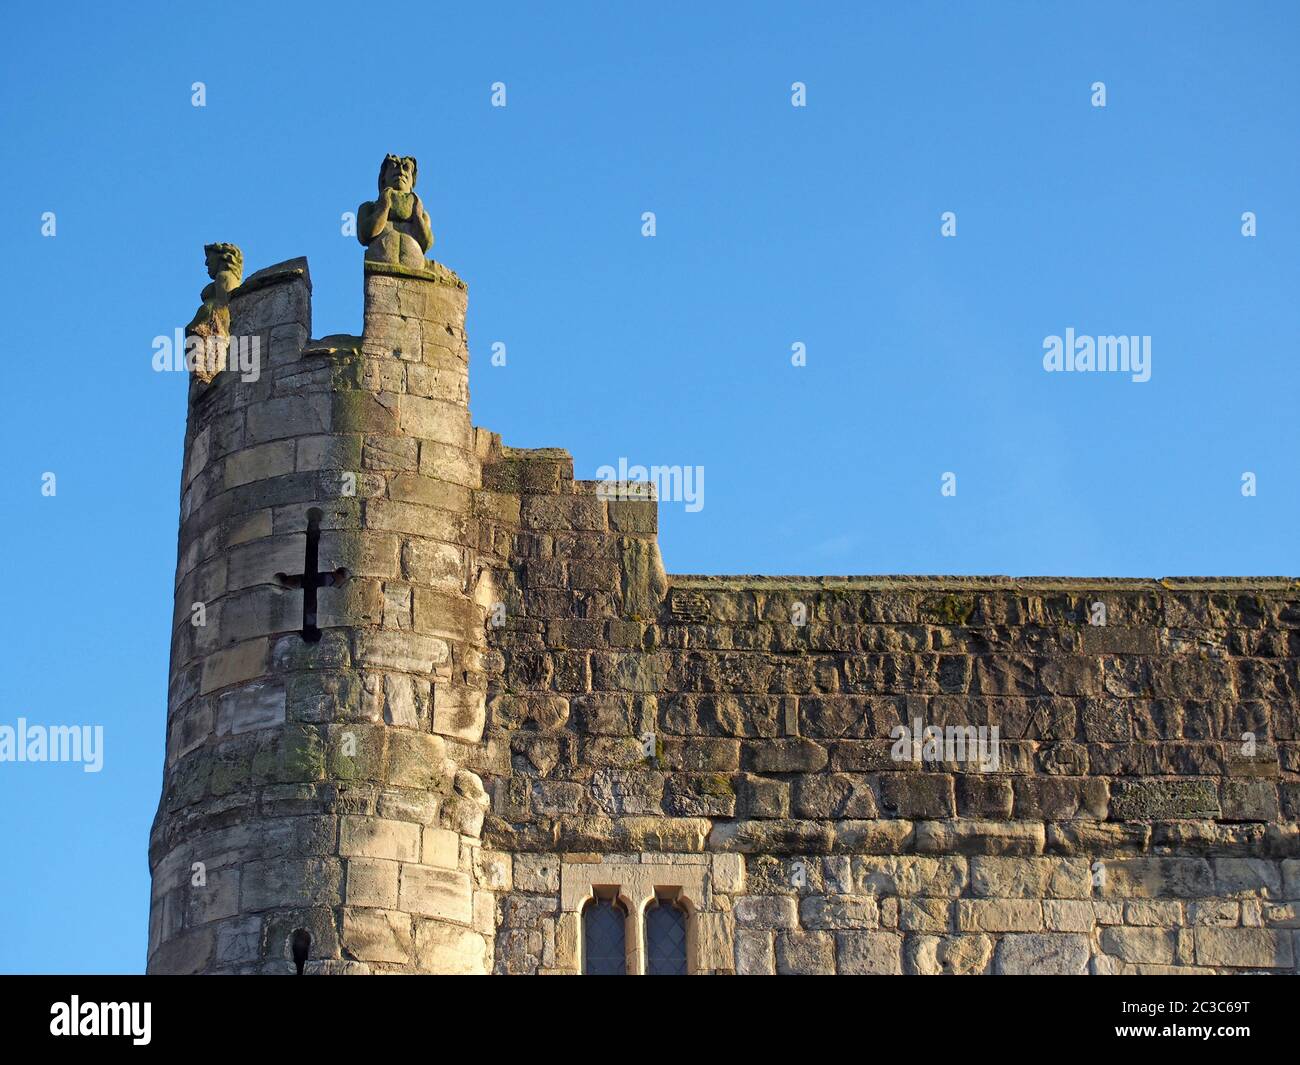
<point x="433" y="700"/>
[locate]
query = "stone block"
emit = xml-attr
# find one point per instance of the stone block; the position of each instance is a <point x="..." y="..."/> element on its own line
<point x="1244" y="948"/>
<point x="259" y="463"/>
<point x="417" y="760"/>
<point x="1219" y="912"/>
<point x="239" y="941"/>
<point x="755" y="954"/>
<point x="377" y="935"/>
<point x="390" y="453"/>
<point x="284" y="882"/>
<point x="728" y="873"/>
<point x="561" y="513"/>
<point x="432" y="892"/>
<point x="715" y="942"/>
<point x="835" y="912"/>
<point x="406" y="652"/>
<point x="948" y="955"/>
<point x="869" y="953"/>
<point x="242" y="662"/>
<point x="538" y="873"/>
<point x="342" y="453"/>
<point x="495" y="869"/>
<point x="766" y="912"/>
<point x="1153" y="945"/>
<point x="924" y="915"/>
<point x="1249" y="800"/>
<point x="371" y="882"/>
<point x="999" y="915"/>
<point x="963" y="836"/>
<point x="788" y="756"/>
<point x="449" y="950"/>
<point x="1061" y="915"/>
<point x="1152" y="800"/>
<point x="834" y="795"/>
<point x="917" y="795"/>
<point x="440" y="847"/>
<point x="435" y="564"/>
<point x="911" y="875"/>
<point x="373" y="837"/>
<point x="459" y="712"/>
<point x="1047" y="954"/>
<point x="1139" y="878"/>
<point x="257" y="706"/>
<point x="218" y="897"/>
<point x="983" y="797"/>
<point x="805" y="953"/>
<point x="185" y="954"/>
<point x="762" y="796"/>
<point x="1022" y="878"/>
<point x="1153" y="913"/>
<point x="1247" y="877"/>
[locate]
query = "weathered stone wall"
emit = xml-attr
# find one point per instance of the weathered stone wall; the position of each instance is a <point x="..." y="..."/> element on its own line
<point x="321" y="786"/>
<point x="726" y="741"/>
<point x="734" y="735"/>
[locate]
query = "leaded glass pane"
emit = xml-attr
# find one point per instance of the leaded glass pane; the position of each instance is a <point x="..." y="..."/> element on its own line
<point x="665" y="940"/>
<point x="604" y="950"/>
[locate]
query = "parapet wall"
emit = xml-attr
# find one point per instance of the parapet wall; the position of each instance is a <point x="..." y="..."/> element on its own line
<point x="733" y="739"/>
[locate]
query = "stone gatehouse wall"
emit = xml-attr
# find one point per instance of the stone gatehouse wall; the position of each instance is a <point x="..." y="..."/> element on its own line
<point x="729" y="739"/>
<point x="512" y="709"/>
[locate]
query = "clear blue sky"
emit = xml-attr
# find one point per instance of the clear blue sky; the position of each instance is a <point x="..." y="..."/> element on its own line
<point x="775" y="225"/>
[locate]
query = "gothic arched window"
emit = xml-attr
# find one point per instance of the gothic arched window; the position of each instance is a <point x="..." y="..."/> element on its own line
<point x="665" y="937"/>
<point x="604" y="938"/>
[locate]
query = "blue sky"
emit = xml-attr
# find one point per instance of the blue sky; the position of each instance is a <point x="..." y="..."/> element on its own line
<point x="775" y="225"/>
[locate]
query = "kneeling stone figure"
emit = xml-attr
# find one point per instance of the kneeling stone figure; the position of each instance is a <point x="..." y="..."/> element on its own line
<point x="395" y="227"/>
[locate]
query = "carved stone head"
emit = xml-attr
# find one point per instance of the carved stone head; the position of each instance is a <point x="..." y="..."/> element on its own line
<point x="397" y="172"/>
<point x="223" y="258"/>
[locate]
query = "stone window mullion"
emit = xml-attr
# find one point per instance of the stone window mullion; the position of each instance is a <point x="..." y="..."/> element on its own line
<point x="636" y="937"/>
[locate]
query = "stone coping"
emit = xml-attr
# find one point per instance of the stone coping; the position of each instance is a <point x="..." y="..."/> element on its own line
<point x="904" y="583"/>
<point x="334" y="344"/>
<point x="433" y="271"/>
<point x="296" y="269"/>
<point x="278" y="274"/>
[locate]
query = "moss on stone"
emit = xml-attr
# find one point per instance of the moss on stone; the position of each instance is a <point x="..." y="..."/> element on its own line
<point x="950" y="609"/>
<point x="717" y="785"/>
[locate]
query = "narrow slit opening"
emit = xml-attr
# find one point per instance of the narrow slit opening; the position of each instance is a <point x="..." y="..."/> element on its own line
<point x="300" y="944"/>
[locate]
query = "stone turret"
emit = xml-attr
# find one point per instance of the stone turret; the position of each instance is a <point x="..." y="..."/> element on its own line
<point x="317" y="814"/>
